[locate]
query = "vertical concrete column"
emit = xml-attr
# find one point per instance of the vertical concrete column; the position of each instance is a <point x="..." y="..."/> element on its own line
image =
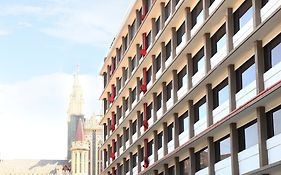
<point x="123" y="46"/>
<point x="117" y="56"/>
<point x="174" y="42"/>
<point x="229" y="29"/>
<point x="153" y="30"/>
<point x="188" y="23"/>
<point x="211" y="155"/>
<point x="163" y="56"/>
<point x="176" y="131"/>
<point x="232" y="87"/>
<point x="73" y="155"/>
<point x="123" y="107"/>
<point x="207" y="52"/>
<point x="123" y="75"/>
<point x="124" y="167"/>
<point x="166" y="169"/>
<point x="104" y="131"/>
<point x="138" y="19"/>
<point x="107" y="100"/>
<point x="118" y="145"/>
<point x="177" y="165"/>
<point x="124" y="139"/>
<point x="138" y="89"/>
<point x="104" y="159"/>
<point x="155" y="172"/>
<point x="165" y="138"/>
<point x="108" y="127"/>
<point x="189" y="71"/>
<point x="118" y="115"/>
<point x="209" y="100"/>
<point x="153" y="68"/>
<point x="154" y="103"/>
<point x="191" y="118"/>
<point x="117" y="86"/>
<point x="257" y="12"/>
<point x="139" y="122"/>
<point x="262" y="133"/>
<point x="131" y="163"/>
<point x="164" y="97"/>
<point x="108" y="155"/>
<point x="82" y="162"/>
<point x="162" y="20"/>
<point x="259" y="61"/>
<point x="129" y="33"/>
<point x="130" y="99"/>
<point x="234" y="148"/>
<point x="206" y="4"/>
<point x="139" y="158"/>
<point x="138" y="55"/>
<point x="173" y="6"/>
<point x="155" y="143"/>
<point x="129" y="67"/>
<point x="130" y="132"/>
<point x="175" y="86"/>
<point x="118" y="171"/>
<point x="78" y="162"/>
<point x="192" y="161"/>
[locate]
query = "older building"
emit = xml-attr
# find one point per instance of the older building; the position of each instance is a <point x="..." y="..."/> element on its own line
<point x="194" y="87"/>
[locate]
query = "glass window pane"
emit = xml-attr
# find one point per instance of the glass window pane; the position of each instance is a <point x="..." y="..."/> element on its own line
<point x="201" y="64"/>
<point x="246" y="17"/>
<point x="248" y="76"/>
<point x="225" y="148"/>
<point x="223" y="95"/>
<point x="276" y="55"/>
<point x="202" y="111"/>
<point x="221" y="43"/>
<point x="277" y="122"/>
<point x="251" y="135"/>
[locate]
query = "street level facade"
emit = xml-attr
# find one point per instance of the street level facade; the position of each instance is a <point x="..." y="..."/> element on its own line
<point x="194" y="88"/>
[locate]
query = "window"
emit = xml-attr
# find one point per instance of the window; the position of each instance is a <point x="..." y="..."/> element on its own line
<point x="211" y="2"/>
<point x="118" y="84"/>
<point x="134" y="130"/>
<point x="246" y="74"/>
<point x="200" y="109"/>
<point x="171" y="170"/>
<point x="197" y="14"/>
<point x="167" y="10"/>
<point x="127" y="135"/>
<point x="181" y="76"/>
<point x="272" y="52"/>
<point x="264" y="2"/>
<point x="180" y="33"/>
<point x="168" y="49"/>
<point x="149" y="74"/>
<point x="218" y="40"/>
<point x="169" y="90"/>
<point x="222" y="148"/>
<point x="121" y="168"/>
<point x="126" y="75"/>
<point x="104" y="106"/>
<point x="133" y="29"/>
<point x="274" y="122"/>
<point x="141" y="154"/>
<point x="134" y="94"/>
<point x="127" y="166"/>
<point x="150" y="148"/>
<point x="184" y="167"/>
<point x="148" y="40"/>
<point x="118" y="54"/>
<point x="242" y="15"/>
<point x="119" y="112"/>
<point x="158" y="27"/>
<point x="126" y="104"/>
<point x="198" y="61"/>
<point x="141" y="119"/>
<point x="201" y="159"/>
<point x="183" y="122"/>
<point x="220" y="94"/>
<point x="160" y="140"/>
<point x="133" y="63"/>
<point x="158" y="101"/>
<point x="120" y="141"/>
<point x="104" y="79"/>
<point x="134" y="161"/>
<point x="248" y="135"/>
<point x="126" y="42"/>
<point x="149" y="111"/>
<point x="170" y="132"/>
<point x="158" y="62"/>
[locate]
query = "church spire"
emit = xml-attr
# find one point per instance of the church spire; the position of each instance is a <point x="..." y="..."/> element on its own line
<point x="76" y="98"/>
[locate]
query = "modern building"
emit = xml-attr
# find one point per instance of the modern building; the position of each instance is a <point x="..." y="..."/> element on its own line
<point x="194" y="87"/>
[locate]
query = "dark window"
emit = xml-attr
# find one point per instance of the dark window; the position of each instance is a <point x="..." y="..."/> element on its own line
<point x="196" y="14"/>
<point x="184" y="167"/>
<point x="198" y="61"/>
<point x="181" y="75"/>
<point x="126" y="104"/>
<point x="201" y="159"/>
<point x="104" y="79"/>
<point x="119" y="112"/>
<point x="171" y="170"/>
<point x="170" y="132"/>
<point x="141" y="154"/>
<point x="169" y="90"/>
<point x="150" y="148"/>
<point x="126" y="42"/>
<point x="211" y="2"/>
<point x="272" y="53"/>
<point x="168" y="49"/>
<point x="242" y="15"/>
<point x="134" y="127"/>
<point x="220" y="93"/>
<point x="134" y="161"/>
<point x="218" y="40"/>
<point x="141" y="119"/>
<point x="127" y="134"/>
<point x="134" y="94"/>
<point x="118" y="84"/>
<point x="158" y="62"/>
<point x="157" y="25"/>
<point x="200" y="109"/>
<point x="245" y="74"/>
<point x="264" y="2"/>
<point x="248" y="135"/>
<point x="158" y="101"/>
<point x="134" y="64"/>
<point x="126" y="75"/>
<point x="148" y="40"/>
<point x="160" y="140"/>
<point x="167" y="10"/>
<point x="177" y="1"/>
<point x="148" y="75"/>
<point x="133" y="29"/>
<point x="162" y="173"/>
<point x="118" y="54"/>
<point x="222" y="148"/>
<point x="127" y="166"/>
<point x="121" y="168"/>
<point x="183" y="122"/>
<point x="149" y="111"/>
<point x="274" y="122"/>
<point x="180" y="33"/>
<point x="104" y="106"/>
<point x="120" y="141"/>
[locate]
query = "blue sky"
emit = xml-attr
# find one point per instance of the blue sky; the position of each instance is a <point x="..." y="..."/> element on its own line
<point x="41" y="42"/>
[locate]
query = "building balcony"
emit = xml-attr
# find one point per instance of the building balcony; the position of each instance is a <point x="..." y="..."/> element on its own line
<point x="214" y="6"/>
<point x="269" y="8"/>
<point x="246" y="94"/>
<point x="243" y="33"/>
<point x="272" y="76"/>
<point x="274" y="146"/>
<point x="200" y="125"/>
<point x="169" y="103"/>
<point x="183" y="137"/>
<point x="181" y="45"/>
<point x="183" y="90"/>
<point x="248" y="159"/>
<point x="223" y="167"/>
<point x="220" y="111"/>
<point x="160" y="153"/>
<point x="171" y="146"/>
<point x="218" y="57"/>
<point x="168" y="61"/>
<point x="200" y="21"/>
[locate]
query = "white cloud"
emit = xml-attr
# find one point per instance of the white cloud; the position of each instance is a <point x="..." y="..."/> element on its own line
<point x="33" y="115"/>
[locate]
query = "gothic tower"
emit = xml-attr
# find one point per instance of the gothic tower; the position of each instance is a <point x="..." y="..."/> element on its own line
<point x="75" y="112"/>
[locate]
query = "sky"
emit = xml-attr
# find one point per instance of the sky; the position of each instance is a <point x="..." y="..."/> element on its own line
<point x="41" y="42"/>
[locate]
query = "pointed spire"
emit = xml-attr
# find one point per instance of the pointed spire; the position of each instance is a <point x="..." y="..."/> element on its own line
<point x="79" y="131"/>
<point x="76" y="97"/>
